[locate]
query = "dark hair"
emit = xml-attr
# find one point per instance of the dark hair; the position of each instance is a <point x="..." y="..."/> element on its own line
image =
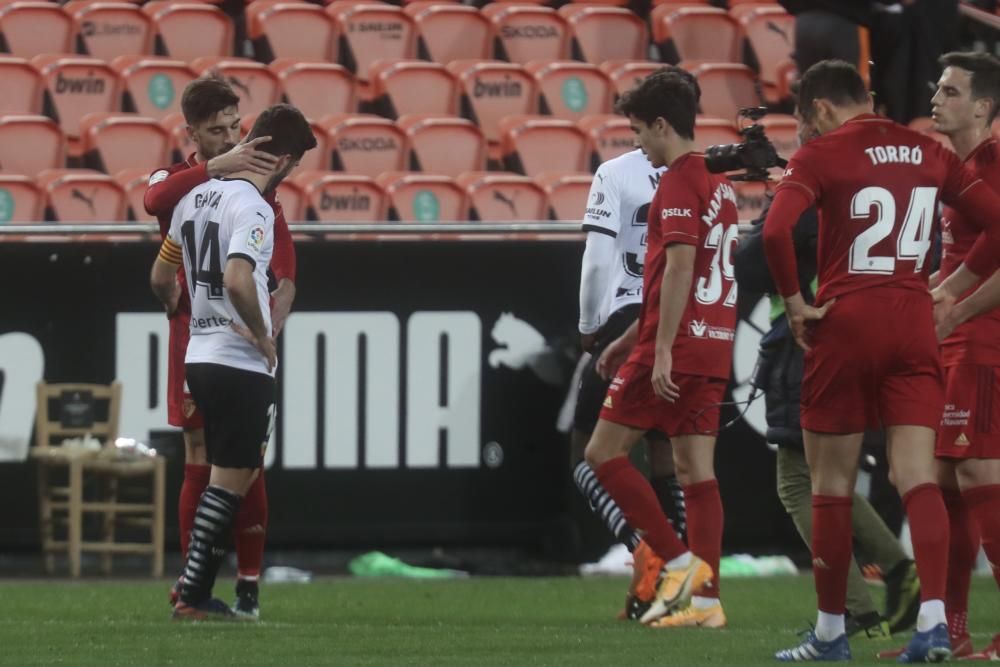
<point x="985" y="71"/>
<point x="662" y="94"/>
<point x="289" y="131"/>
<point x="206" y="96"/>
<point x="833" y="80"/>
<point x="684" y="74"/>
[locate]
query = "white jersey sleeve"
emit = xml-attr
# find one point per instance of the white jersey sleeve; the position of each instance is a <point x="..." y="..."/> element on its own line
<point x="604" y="203"/>
<point x="253" y="229"/>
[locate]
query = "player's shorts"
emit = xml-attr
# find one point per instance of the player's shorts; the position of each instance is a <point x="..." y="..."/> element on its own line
<point x="874" y="363"/>
<point x="631" y="401"/>
<point x="970" y="426"/>
<point x="239" y="411"/>
<point x="593" y="388"/>
<point x="181" y="410"/>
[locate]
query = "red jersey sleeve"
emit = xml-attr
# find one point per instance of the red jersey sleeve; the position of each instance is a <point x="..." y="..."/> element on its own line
<point x="166" y="188"/>
<point x="283" y="263"/>
<point x="679" y="208"/>
<point x="964" y="191"/>
<point x="787" y="207"/>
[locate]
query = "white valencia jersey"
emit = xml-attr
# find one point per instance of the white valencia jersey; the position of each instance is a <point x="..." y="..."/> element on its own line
<point x="215" y="222"/>
<point x="619" y="201"/>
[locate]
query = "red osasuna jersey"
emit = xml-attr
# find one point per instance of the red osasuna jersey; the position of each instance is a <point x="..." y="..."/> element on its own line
<point x="698" y="208"/>
<point x="978" y="340"/>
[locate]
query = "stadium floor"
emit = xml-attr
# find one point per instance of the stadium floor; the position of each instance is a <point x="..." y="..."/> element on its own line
<point x="482" y="621"/>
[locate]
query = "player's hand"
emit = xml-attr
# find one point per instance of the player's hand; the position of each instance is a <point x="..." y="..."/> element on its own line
<point x="264" y="344"/>
<point x="612" y="358"/>
<point x="945" y="315"/>
<point x="281" y="305"/>
<point x="801" y="316"/>
<point x="663" y="386"/>
<point x="244" y="156"/>
<point x="587" y="342"/>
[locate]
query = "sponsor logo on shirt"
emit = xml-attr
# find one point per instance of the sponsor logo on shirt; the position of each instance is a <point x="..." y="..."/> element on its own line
<point x="700" y="329"/>
<point x="255" y="239"/>
<point x="598" y="213"/>
<point x="675" y="213"/>
<point x="947" y="237"/>
<point x="597" y="198"/>
<point x="962" y="441"/>
<point x="955" y="417"/>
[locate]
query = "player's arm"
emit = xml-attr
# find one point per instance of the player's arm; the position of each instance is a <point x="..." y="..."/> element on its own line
<point x="253" y="225"/>
<point x="283" y="266"/>
<point x="948" y="315"/>
<point x="602" y="222"/>
<point x="617" y="351"/>
<point x="675" y="289"/>
<point x="980" y="204"/>
<point x="163" y="275"/>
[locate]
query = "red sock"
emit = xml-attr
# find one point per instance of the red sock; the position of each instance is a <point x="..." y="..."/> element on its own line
<point x="636" y="498"/>
<point x="250" y="530"/>
<point x="929" y="532"/>
<point x="195" y="482"/>
<point x="831" y="547"/>
<point x="963" y="548"/>
<point x="705" y="519"/>
<point x="984" y="504"/>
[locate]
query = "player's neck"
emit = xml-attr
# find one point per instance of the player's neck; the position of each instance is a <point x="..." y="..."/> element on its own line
<point x="677" y="148"/>
<point x="259" y="181"/>
<point x="843" y="114"/>
<point x="965" y="141"/>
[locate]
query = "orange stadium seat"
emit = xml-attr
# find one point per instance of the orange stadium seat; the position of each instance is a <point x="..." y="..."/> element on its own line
<point x="115" y="141"/>
<point x="500" y="197"/>
<point x="29" y="28"/>
<point x="443" y="144"/>
<point x="20" y="199"/>
<point x="783" y="131"/>
<point x="567" y="194"/>
<point x="335" y="197"/>
<point x="490" y="90"/>
<point x="751" y="197"/>
<point x="292" y="200"/>
<point x="256" y="85"/>
<point x="610" y="136"/>
<point x="152" y="85"/>
<point x="188" y="30"/>
<point x="626" y="74"/>
<point x="571" y="89"/>
<point x="725" y="88"/>
<point x="316" y="88"/>
<point x="280" y="29"/>
<point x="134" y="182"/>
<point x="602" y="33"/>
<point x="714" y="131"/>
<point x="402" y="87"/>
<point x="523" y="32"/>
<point x="694" y="34"/>
<point x="81" y="195"/>
<point x="423" y="197"/>
<point x="181" y="144"/>
<point x="368" y="31"/>
<point x="108" y="29"/>
<point x="364" y="144"/>
<point x="74" y="87"/>
<point x="770" y="42"/>
<point x="532" y="145"/>
<point x="447" y="32"/>
<point x="22" y="86"/>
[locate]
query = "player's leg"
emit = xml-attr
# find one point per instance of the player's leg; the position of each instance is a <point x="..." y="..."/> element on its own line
<point x="963" y="548"/>
<point x="196" y="476"/>
<point x="979" y="479"/>
<point x="250" y="534"/>
<point x="601" y="503"/>
<point x="663" y="478"/>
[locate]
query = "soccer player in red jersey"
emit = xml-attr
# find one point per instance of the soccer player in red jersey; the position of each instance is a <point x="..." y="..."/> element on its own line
<point x="210" y="107"/>
<point x="677" y="356"/>
<point x="872" y="359"/>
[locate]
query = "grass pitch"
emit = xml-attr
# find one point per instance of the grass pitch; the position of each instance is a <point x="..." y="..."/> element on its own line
<point x="485" y="621"/>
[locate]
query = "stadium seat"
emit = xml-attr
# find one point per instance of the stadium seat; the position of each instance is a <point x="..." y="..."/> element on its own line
<point x="567" y="194"/>
<point x="532" y="145"/>
<point x="292" y="200"/>
<point x="423" y="197"/>
<point x="783" y="131"/>
<point x="317" y="158"/>
<point x="364" y="144"/>
<point x="501" y="197"/>
<point x="181" y="144"/>
<point x="20" y="199"/>
<point x="115" y="141"/>
<point x="74" y="87"/>
<point x="30" y="28"/>
<point x="610" y="136"/>
<point x="335" y="197"/>
<point x="523" y="32"/>
<point x="188" y="30"/>
<point x="368" y="31"/>
<point x="725" y="88"/>
<point x="316" y="88"/>
<point x="134" y="182"/>
<point x="289" y="30"/>
<point x="152" y="85"/>
<point x="401" y="87"/>
<point x="108" y="29"/>
<point x="490" y="90"/>
<point x="770" y="42"/>
<point x="695" y="34"/>
<point x="256" y="85"/>
<point x="81" y="195"/>
<point x="602" y="33"/>
<point x="751" y="197"/>
<point x="447" y="32"/>
<point x="626" y="74"/>
<point x="22" y="86"/>
<point x="571" y="90"/>
<point x="714" y="131"/>
<point x="443" y="144"/>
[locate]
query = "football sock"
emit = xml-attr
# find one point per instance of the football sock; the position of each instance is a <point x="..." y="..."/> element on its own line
<point x="631" y="490"/>
<point x="251" y="530"/>
<point x="984" y="504"/>
<point x="931" y="615"/>
<point x="212" y="523"/>
<point x="958" y="623"/>
<point x="705" y="529"/>
<point x="962" y="552"/>
<point x="701" y="602"/>
<point x="671" y="495"/>
<point x="195" y="480"/>
<point x="604" y="506"/>
<point x="929" y="533"/>
<point x="829" y="626"/>
<point x="831" y="550"/>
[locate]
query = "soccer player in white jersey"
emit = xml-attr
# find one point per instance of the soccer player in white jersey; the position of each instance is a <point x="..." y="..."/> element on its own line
<point x="223" y="232"/>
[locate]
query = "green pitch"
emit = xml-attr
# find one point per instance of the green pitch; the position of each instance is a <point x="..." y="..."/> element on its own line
<point x="518" y="622"/>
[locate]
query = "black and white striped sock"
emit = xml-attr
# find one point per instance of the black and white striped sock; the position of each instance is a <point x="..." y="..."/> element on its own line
<point x="212" y="523"/>
<point x="671" y="496"/>
<point x="604" y="505"/>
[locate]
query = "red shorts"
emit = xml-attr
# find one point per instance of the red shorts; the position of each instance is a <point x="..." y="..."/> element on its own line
<point x="181" y="410"/>
<point x="970" y="427"/>
<point x="874" y="362"/>
<point x="631" y="401"/>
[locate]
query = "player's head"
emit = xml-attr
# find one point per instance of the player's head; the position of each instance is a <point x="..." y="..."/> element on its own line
<point x="806" y="131"/>
<point x="661" y="110"/>
<point x="682" y="73"/>
<point x="211" y="110"/>
<point x="968" y="92"/>
<point x="291" y="136"/>
<point x="830" y="92"/>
